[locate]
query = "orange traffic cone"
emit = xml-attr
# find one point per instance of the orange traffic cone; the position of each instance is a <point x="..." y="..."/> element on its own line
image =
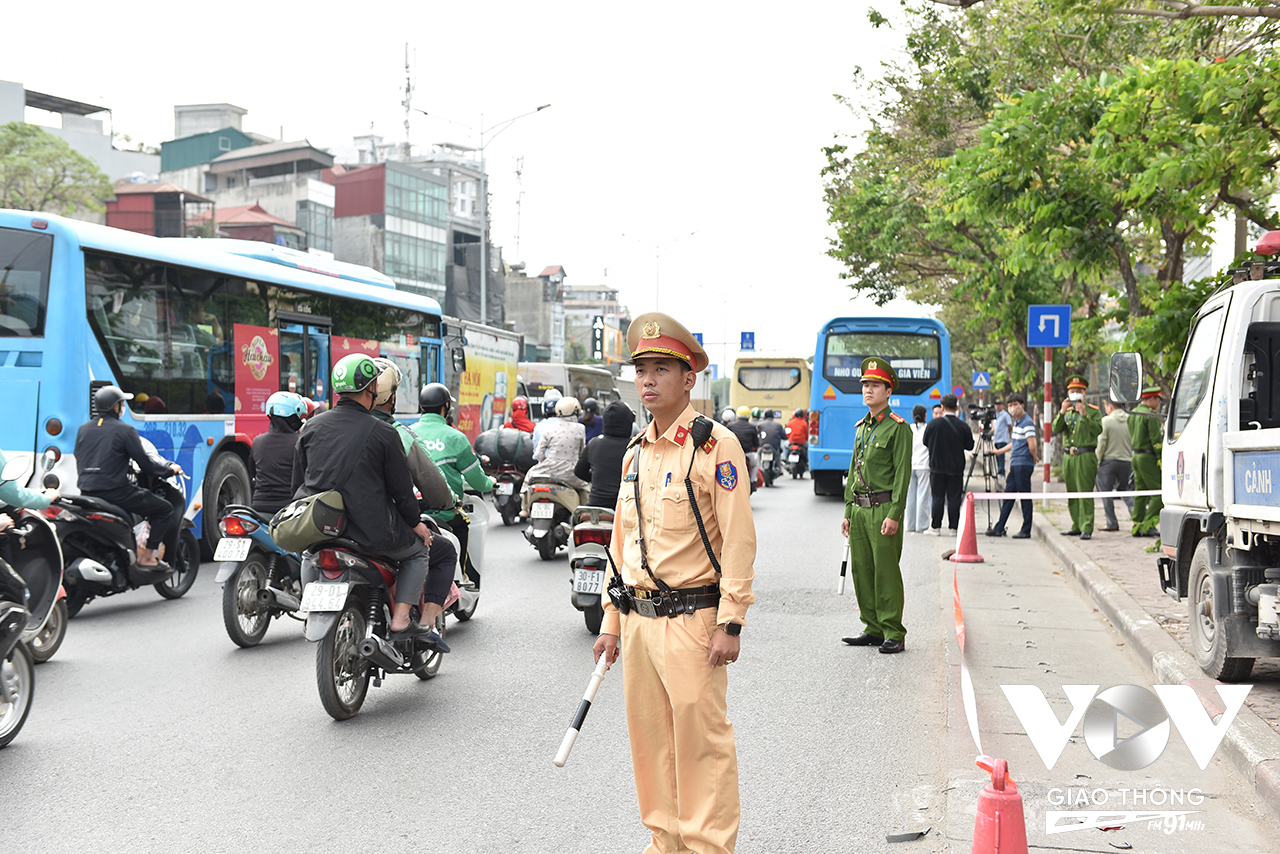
<point x="1000" y="827"/>
<point x="968" y="549"/>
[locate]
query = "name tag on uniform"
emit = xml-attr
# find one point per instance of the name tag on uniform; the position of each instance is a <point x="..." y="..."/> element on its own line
<point x="629" y="477"/>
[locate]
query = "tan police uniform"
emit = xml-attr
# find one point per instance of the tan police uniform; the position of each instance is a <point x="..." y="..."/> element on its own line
<point x="682" y="747"/>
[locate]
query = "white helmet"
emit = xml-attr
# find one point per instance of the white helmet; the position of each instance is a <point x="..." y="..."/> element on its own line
<point x="568" y="407"/>
<point x="728" y="415"/>
<point x="389" y="377"/>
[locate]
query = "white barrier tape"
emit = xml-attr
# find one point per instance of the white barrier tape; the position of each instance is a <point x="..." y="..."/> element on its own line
<point x="1040" y="496"/>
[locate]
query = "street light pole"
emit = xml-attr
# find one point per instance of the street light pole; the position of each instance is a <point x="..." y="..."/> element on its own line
<point x="657" y="262"/>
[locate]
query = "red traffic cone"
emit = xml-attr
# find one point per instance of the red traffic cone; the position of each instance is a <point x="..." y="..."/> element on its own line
<point x="968" y="551"/>
<point x="1000" y="827"/>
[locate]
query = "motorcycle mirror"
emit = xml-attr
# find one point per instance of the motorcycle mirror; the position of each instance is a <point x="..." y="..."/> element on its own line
<point x="13" y="470"/>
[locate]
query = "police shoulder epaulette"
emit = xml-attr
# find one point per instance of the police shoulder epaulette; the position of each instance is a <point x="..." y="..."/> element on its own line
<point x="896" y="417"/>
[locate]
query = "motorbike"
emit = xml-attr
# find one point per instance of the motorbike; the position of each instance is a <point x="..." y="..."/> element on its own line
<point x="796" y="461"/>
<point x="29" y="593"/>
<point x="770" y="464"/>
<point x="589" y="562"/>
<point x="476" y="512"/>
<point x="506" y="492"/>
<point x="36" y="556"/>
<point x="100" y="545"/>
<point x="550" y="502"/>
<point x="262" y="581"/>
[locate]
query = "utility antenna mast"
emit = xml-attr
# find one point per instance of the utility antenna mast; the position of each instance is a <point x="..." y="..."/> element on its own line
<point x="407" y="103"/>
<point x="519" y="196"/>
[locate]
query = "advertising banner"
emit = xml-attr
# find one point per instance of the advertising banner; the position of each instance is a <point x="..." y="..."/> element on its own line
<point x="257" y="361"/>
<point x="484" y="387"/>
<point x="340" y="345"/>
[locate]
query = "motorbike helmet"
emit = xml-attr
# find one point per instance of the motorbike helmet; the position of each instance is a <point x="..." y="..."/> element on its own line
<point x="354" y="374"/>
<point x="105" y="398"/>
<point x="435" y="397"/>
<point x="520" y="404"/>
<point x="389" y="377"/>
<point x="285" y="404"/>
<point x="549" y="399"/>
<point x="591" y="405"/>
<point x="799" y="413"/>
<point x="568" y="407"/>
<point x="744" y="412"/>
<point x="728" y="415"/>
<point x="756" y="413"/>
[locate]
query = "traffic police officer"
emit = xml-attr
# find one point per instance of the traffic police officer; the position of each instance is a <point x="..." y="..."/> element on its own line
<point x="1080" y="425"/>
<point x="682" y="749"/>
<point x="875" y="498"/>
<point x="1147" y="437"/>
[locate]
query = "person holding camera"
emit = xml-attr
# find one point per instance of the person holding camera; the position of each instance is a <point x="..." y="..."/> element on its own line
<point x="1001" y="434"/>
<point x="1023" y="456"/>
<point x="1080" y="425"/>
<point x="947" y="439"/>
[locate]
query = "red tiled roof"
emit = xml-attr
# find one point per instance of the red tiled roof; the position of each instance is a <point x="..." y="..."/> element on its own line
<point x="124" y="189"/>
<point x="551" y="271"/>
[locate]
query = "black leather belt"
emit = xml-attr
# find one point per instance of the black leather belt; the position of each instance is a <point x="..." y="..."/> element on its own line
<point x="655" y="603"/>
<point x="872" y="499"/>
<point x="1138" y="451"/>
<point x="1074" y="451"/>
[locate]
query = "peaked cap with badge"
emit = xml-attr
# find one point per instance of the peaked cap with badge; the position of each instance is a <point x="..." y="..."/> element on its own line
<point x="655" y="334"/>
<point x="1077" y="381"/>
<point x="876" y="368"/>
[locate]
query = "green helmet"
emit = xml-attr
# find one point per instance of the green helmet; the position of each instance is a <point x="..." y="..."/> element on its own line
<point x="354" y="373"/>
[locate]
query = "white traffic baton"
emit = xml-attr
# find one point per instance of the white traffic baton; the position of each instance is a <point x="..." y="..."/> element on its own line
<point x="844" y="568"/>
<point x="570" y="736"/>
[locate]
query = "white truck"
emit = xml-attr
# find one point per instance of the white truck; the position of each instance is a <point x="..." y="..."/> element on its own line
<point x="1220" y="474"/>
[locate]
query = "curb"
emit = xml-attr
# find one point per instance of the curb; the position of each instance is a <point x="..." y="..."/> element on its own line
<point x="1251" y="745"/>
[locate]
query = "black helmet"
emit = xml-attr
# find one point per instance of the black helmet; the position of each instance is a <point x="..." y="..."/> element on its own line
<point x="108" y="396"/>
<point x="591" y="405"/>
<point x="799" y="413"/>
<point x="434" y="397"/>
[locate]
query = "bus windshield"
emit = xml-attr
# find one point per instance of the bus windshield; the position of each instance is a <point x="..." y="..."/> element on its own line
<point x="916" y="359"/>
<point x="24" y="282"/>
<point x="769" y="379"/>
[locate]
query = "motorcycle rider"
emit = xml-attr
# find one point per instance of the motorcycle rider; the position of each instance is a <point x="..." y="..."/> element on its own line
<point x="773" y="433"/>
<point x="740" y="425"/>
<point x="381" y="509"/>
<point x="429" y="480"/>
<point x="520" y="419"/>
<point x="591" y="418"/>
<point x="273" y="451"/>
<point x="549" y="400"/>
<point x="798" y="434"/>
<point x="561" y="445"/>
<point x="103" y="449"/>
<point x="601" y="460"/>
<point x="450" y="450"/>
<point x="19" y="496"/>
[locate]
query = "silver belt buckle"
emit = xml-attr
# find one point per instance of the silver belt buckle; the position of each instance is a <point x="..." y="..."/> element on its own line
<point x="644" y="607"/>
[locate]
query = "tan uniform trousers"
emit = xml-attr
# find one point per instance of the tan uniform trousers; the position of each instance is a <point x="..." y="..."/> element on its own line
<point x="682" y="751"/>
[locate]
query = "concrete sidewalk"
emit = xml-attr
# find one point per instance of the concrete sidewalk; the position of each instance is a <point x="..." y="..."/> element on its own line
<point x="1116" y="572"/>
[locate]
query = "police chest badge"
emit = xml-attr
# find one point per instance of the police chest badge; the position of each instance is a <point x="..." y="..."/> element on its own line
<point x="726" y="475"/>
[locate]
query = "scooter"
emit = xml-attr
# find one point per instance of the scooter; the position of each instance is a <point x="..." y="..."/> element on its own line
<point x="29" y="590"/>
<point x="506" y="492"/>
<point x="261" y="580"/>
<point x="589" y="562"/>
<point x="796" y="461"/>
<point x="768" y="463"/>
<point x="476" y="512"/>
<point x="36" y="556"/>
<point x="549" y="504"/>
<point x="100" y="546"/>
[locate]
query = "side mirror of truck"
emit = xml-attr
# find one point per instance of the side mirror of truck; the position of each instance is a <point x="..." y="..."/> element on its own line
<point x="459" y="359"/>
<point x="1126" y="378"/>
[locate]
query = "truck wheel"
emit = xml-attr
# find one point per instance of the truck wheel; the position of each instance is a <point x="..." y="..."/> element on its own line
<point x="1208" y="638"/>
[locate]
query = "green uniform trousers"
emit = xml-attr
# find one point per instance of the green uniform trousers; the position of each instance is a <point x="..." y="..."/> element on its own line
<point x="1146" y="475"/>
<point x="877" y="577"/>
<point x="1080" y="471"/>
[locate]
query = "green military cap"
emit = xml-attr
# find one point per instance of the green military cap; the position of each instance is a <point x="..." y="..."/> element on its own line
<point x="876" y="368"/>
<point x="1152" y="391"/>
<point x="1077" y="381"/>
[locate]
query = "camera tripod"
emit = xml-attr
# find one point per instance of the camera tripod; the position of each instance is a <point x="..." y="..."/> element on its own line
<point x="985" y="451"/>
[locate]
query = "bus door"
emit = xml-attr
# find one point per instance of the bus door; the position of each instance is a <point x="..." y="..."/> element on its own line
<point x="431" y="360"/>
<point x="304" y="355"/>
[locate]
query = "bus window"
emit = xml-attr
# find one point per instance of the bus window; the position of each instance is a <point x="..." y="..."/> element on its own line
<point x="769" y="379"/>
<point x="916" y="359"/>
<point x="24" y="282"/>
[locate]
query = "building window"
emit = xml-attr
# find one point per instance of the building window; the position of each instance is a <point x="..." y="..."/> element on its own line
<point x="414" y="198"/>
<point x="224" y="144"/>
<point x="415" y="259"/>
<point x="317" y="221"/>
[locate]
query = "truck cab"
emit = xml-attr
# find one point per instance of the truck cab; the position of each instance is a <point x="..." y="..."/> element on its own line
<point x="1220" y="476"/>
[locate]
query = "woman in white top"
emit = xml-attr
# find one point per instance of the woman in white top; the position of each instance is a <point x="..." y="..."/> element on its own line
<point x="919" y="495"/>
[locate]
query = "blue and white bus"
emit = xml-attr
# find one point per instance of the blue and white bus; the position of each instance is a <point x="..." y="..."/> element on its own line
<point x="200" y="331"/>
<point x="919" y="350"/>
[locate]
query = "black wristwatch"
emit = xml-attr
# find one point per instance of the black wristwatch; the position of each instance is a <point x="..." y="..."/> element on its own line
<point x="733" y="629"/>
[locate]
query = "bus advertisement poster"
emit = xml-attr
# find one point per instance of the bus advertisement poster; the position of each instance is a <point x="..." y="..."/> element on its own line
<point x="257" y="375"/>
<point x="340" y="346"/>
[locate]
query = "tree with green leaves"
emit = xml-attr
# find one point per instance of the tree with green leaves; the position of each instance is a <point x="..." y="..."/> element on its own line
<point x="40" y="172"/>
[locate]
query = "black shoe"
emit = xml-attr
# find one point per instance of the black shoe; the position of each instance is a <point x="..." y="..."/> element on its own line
<point x="1110" y="529"/>
<point x="892" y="645"/>
<point x="992" y="532"/>
<point x="1022" y="535"/>
<point x="1072" y="533"/>
<point x="863" y="639"/>
<point x="1087" y="535"/>
<point x="426" y="634"/>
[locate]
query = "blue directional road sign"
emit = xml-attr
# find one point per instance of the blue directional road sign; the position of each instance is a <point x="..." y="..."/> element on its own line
<point x="982" y="379"/>
<point x="697" y="336"/>
<point x="1048" y="326"/>
<point x="748" y="341"/>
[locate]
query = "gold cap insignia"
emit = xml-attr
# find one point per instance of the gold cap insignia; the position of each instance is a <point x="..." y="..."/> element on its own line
<point x="651" y="330"/>
<point x="872" y="366"/>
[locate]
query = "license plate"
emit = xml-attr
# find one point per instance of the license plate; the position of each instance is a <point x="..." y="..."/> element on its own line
<point x="233" y="548"/>
<point x="504" y="488"/>
<point x="588" y="580"/>
<point x="768" y="455"/>
<point x="324" y="597"/>
<point x="542" y="510"/>
<point x="794" y="458"/>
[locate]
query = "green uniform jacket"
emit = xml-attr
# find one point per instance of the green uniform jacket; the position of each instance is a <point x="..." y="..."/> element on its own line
<point x="1079" y="431"/>
<point x="451" y="451"/>
<point x="1145" y="433"/>
<point x="883" y="444"/>
<point x="430" y="481"/>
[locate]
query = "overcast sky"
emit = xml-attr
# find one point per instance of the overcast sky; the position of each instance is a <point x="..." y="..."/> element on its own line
<point x="666" y="119"/>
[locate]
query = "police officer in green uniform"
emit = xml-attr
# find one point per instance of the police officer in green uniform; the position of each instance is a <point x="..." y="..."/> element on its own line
<point x="875" y="498"/>
<point x="1079" y="424"/>
<point x="1147" y="437"/>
